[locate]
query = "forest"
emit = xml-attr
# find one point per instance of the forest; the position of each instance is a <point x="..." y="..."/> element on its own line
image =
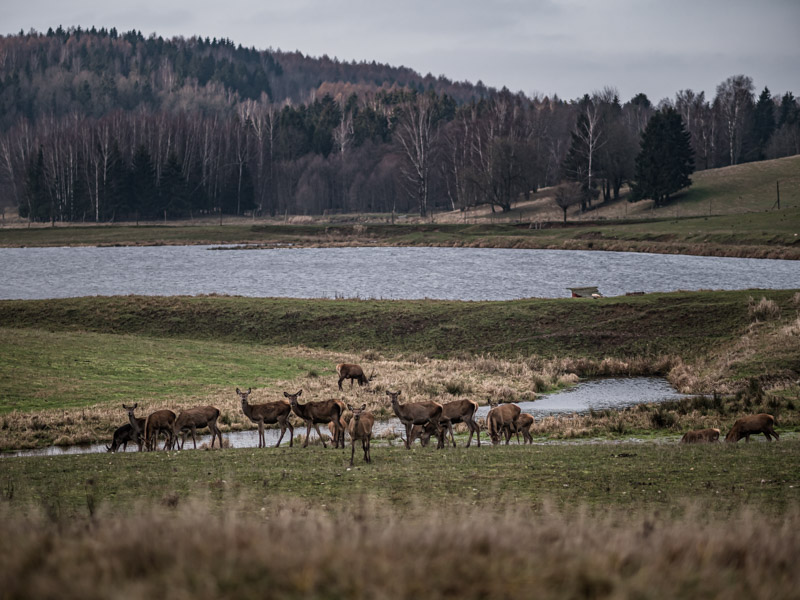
<point x="102" y="126"/>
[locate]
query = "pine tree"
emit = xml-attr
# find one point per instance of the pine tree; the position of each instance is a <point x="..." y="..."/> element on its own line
<point x="666" y="158"/>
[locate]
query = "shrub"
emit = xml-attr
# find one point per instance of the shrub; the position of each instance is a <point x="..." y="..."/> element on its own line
<point x="763" y="310"/>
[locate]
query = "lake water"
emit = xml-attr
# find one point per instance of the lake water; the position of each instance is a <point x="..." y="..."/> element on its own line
<point x="596" y="394"/>
<point x="372" y="273"/>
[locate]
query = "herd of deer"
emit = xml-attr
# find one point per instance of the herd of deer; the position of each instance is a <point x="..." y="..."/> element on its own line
<point x="420" y="419"/>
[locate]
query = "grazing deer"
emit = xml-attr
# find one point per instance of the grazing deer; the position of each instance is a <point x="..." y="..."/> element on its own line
<point x="267" y="414"/>
<point x="462" y="411"/>
<point x="314" y="413"/>
<point x="137" y="425"/>
<point x="353" y="373"/>
<point x="160" y="421"/>
<point x="416" y="413"/>
<point x="700" y="436"/>
<point x="752" y="424"/>
<point x="424" y="433"/>
<point x="360" y="428"/>
<point x="501" y="419"/>
<point x="198" y="417"/>
<point x="524" y="424"/>
<point x="122" y="436"/>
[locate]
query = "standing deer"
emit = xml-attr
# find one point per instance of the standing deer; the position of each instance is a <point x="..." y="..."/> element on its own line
<point x="198" y="417"/>
<point x="462" y="411"/>
<point x="267" y="414"/>
<point x="314" y="413"/>
<point x="344" y="421"/>
<point x="160" y="421"/>
<point x="353" y="373"/>
<point x="752" y="424"/>
<point x="137" y="425"/>
<point x="524" y="424"/>
<point x="360" y="428"/>
<point x="416" y="413"/>
<point x="122" y="436"/>
<point x="501" y="419"/>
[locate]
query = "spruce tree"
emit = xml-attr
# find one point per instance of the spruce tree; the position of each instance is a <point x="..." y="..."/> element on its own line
<point x="666" y="158"/>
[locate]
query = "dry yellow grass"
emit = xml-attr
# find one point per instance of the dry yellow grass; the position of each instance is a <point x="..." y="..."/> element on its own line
<point x="290" y="549"/>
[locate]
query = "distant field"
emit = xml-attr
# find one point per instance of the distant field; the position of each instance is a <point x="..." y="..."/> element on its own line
<point x="726" y="212"/>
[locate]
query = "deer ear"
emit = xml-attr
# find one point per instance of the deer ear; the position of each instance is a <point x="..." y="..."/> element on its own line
<point x="249" y="390"/>
<point x="350" y="408"/>
<point x="285" y="394"/>
<point x="300" y="392"/>
<point x="363" y="407"/>
<point x="237" y="391"/>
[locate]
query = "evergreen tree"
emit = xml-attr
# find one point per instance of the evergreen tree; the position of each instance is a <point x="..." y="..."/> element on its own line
<point x="144" y="195"/>
<point x="37" y="205"/>
<point x="666" y="158"/>
<point x="763" y="123"/>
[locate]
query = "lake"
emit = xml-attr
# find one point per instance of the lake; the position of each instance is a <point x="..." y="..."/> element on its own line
<point x="372" y="272"/>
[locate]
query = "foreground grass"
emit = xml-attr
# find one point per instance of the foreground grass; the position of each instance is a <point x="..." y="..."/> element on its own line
<point x="644" y="475"/>
<point x="364" y="550"/>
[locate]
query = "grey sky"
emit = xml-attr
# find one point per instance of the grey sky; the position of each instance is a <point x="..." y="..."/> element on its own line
<point x="568" y="47"/>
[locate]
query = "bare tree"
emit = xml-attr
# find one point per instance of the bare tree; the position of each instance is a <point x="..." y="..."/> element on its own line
<point x="734" y="102"/>
<point x="417" y="132"/>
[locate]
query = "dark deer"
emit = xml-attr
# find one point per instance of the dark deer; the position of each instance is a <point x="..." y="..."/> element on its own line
<point x="343" y="423"/>
<point x="416" y="413"/>
<point x="160" y="421"/>
<point x="502" y="419"/>
<point x="137" y="425"/>
<point x="524" y="424"/>
<point x="700" y="436"/>
<point x="314" y="413"/>
<point x="353" y="373"/>
<point x="360" y="428"/>
<point x="197" y="418"/>
<point x="122" y="436"/>
<point x="752" y="424"/>
<point x="267" y="414"/>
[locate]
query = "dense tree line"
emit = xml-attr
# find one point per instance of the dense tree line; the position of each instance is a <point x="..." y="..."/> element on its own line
<point x="99" y="126"/>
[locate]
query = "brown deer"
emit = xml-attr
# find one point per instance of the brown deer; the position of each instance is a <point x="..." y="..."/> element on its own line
<point x="752" y="424"/>
<point x="314" y="413"/>
<point x="353" y="373"/>
<point x="416" y="413"/>
<point x="424" y="433"/>
<point x="137" y="425"/>
<point x="360" y="428"/>
<point x="344" y="421"/>
<point x="267" y="414"/>
<point x="699" y="436"/>
<point x="462" y="411"/>
<point x="160" y="421"/>
<point x="524" y="424"/>
<point x="197" y="418"/>
<point x="501" y="419"/>
<point x="122" y="436"/>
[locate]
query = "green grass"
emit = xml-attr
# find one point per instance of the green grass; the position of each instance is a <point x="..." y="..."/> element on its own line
<point x="666" y="323"/>
<point x="722" y="476"/>
<point x="44" y="370"/>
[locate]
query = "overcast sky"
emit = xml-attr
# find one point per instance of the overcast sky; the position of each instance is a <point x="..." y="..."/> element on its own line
<point x="566" y="47"/>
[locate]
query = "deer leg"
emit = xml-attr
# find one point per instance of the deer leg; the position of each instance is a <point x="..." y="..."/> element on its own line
<point x="316" y="426"/>
<point x="308" y="433"/>
<point x="341" y="379"/>
<point x="283" y="430"/>
<point x="291" y="432"/>
<point x="352" y="450"/>
<point x="408" y="436"/>
<point x="450" y="429"/>
<point x="366" y="452"/>
<point x="219" y="435"/>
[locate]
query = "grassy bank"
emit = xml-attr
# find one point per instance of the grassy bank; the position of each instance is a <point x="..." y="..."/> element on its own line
<point x="67" y="365"/>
